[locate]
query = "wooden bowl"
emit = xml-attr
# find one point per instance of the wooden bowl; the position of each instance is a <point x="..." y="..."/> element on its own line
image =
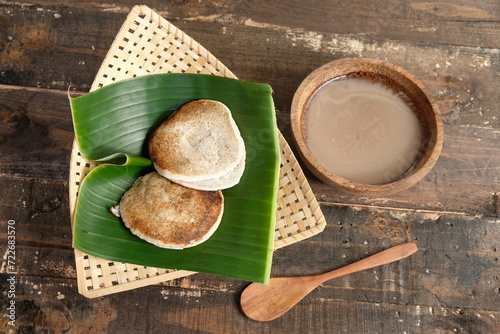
<point x="399" y="80"/>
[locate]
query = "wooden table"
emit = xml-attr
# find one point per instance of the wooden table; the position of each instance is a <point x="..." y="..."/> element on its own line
<point x="451" y="285"/>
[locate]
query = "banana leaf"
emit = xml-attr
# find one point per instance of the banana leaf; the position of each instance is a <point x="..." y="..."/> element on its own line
<point x="112" y="124"/>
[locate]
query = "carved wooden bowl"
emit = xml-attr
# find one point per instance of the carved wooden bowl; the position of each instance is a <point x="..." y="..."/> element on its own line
<point x="399" y="80"/>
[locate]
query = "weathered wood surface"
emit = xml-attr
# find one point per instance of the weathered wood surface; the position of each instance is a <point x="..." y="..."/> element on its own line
<point x="451" y="285"/>
<point x="445" y="287"/>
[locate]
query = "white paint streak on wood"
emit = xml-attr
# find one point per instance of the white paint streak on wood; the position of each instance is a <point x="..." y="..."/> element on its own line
<point x="181" y="293"/>
<point x="251" y="23"/>
<point x="431" y="216"/>
<point x="426" y="29"/>
<point x="211" y="18"/>
<point x="3" y="267"/>
<point x="334" y="43"/>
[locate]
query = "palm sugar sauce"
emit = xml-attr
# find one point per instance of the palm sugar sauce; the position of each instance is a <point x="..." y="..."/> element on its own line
<point x="362" y="130"/>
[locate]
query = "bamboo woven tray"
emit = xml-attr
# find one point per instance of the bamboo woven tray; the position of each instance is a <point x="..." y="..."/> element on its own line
<point x="148" y="44"/>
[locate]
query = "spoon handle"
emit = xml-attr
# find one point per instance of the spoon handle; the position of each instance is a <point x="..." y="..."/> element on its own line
<point x="384" y="257"/>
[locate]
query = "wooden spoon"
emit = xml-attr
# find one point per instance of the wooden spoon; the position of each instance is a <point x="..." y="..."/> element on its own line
<point x="267" y="302"/>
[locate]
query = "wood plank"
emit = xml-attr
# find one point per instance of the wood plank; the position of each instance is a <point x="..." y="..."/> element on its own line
<point x="50" y="59"/>
<point x="472" y="23"/>
<point x="377" y="301"/>
<point x="458" y="77"/>
<point x="40" y="209"/>
<point x="36" y="133"/>
<point x="459" y="273"/>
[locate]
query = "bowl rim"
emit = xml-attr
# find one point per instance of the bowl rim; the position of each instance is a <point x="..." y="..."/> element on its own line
<point x="322" y="75"/>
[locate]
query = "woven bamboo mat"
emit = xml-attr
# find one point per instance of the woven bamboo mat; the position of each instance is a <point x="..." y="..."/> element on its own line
<point x="149" y="44"/>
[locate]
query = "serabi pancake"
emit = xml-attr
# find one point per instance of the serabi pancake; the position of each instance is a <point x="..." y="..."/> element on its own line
<point x="198" y="142"/>
<point x="170" y="215"/>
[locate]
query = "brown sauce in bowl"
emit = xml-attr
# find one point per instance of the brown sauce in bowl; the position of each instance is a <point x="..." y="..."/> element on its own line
<point x="362" y="130"/>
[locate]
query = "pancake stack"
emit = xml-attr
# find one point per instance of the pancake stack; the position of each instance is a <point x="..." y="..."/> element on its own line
<point x="196" y="152"/>
<point x="199" y="146"/>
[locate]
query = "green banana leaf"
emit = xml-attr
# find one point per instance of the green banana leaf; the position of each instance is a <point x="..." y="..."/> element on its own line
<point x="112" y="124"/>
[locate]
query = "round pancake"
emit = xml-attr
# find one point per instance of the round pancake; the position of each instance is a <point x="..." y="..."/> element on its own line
<point x="198" y="142"/>
<point x="170" y="215"/>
